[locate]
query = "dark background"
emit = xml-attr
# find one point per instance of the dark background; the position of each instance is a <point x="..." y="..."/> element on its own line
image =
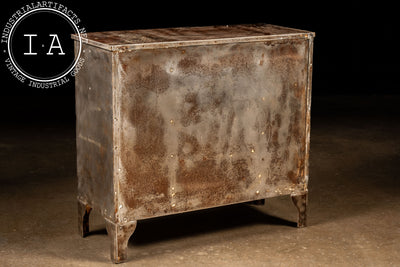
<point x="356" y="49"/>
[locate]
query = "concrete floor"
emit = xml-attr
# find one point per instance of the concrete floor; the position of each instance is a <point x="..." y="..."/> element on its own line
<point x="354" y="202"/>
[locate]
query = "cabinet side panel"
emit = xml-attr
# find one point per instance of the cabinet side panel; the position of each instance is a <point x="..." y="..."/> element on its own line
<point x="94" y="135"/>
<point x="308" y="113"/>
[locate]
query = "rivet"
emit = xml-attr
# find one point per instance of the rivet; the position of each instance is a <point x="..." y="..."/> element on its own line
<point x="252" y="150"/>
<point x="173" y="194"/>
<point x="257" y="192"/>
<point x="120" y="228"/>
<point x="171" y="69"/>
<point x="262" y="133"/>
<point x="173" y="205"/>
<point x="172" y="155"/>
<point x="259" y="176"/>
<point x="231" y="155"/>
<point x="120" y="206"/>
<point x="173" y="188"/>
<point x="125" y="219"/>
<point x="171" y="121"/>
<point x="90" y="88"/>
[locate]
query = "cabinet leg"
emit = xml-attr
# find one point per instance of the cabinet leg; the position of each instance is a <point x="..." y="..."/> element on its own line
<point x="300" y="202"/>
<point x="83" y="218"/>
<point x="119" y="234"/>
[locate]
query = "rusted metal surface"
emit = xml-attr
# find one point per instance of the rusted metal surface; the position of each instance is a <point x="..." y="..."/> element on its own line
<point x="192" y="118"/>
<point x="94" y="131"/>
<point x="300" y="201"/>
<point x="211" y="125"/>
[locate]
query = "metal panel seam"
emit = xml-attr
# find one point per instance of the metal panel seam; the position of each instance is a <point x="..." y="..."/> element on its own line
<point x="115" y="130"/>
<point x="308" y="111"/>
<point x="161" y="45"/>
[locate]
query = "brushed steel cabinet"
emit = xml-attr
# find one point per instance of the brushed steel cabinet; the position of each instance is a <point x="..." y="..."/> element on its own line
<point x="181" y="119"/>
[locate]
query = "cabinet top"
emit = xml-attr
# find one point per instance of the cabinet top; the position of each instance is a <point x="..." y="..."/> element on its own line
<point x="188" y="36"/>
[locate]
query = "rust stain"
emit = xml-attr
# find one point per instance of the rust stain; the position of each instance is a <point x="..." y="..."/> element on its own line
<point x="241" y="171"/>
<point x="145" y="172"/>
<point x="239" y="62"/>
<point x="203" y="172"/>
<point x="147" y="122"/>
<point x="190" y="64"/>
<point x="190" y="111"/>
<point x="188" y="145"/>
<point x="206" y="180"/>
<point x="151" y="77"/>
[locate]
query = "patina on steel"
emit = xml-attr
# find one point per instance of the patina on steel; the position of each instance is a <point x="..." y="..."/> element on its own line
<point x="181" y="119"/>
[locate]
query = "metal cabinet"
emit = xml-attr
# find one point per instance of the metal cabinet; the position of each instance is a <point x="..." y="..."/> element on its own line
<point x="180" y="119"/>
